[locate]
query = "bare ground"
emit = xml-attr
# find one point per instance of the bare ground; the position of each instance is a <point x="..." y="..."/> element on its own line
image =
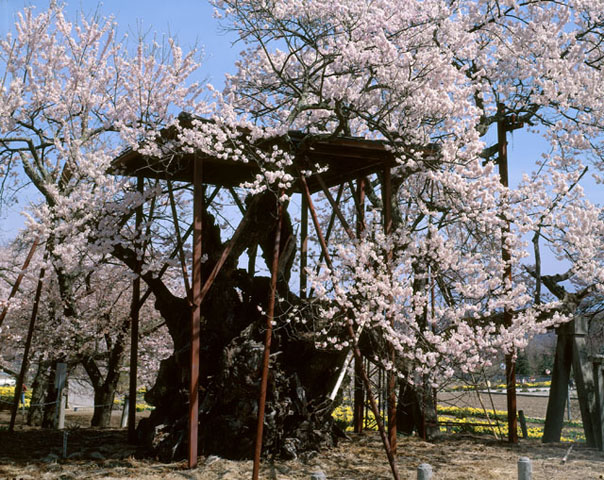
<point x="534" y="406"/>
<point x="24" y="455"/>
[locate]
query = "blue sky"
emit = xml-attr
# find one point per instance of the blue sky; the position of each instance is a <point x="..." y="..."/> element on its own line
<point x="190" y="21"/>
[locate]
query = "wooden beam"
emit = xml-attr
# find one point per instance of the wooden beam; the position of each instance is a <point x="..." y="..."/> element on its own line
<point x="15" y="288"/>
<point x="510" y="365"/>
<point x="267" y="345"/>
<point x="391" y="381"/>
<point x="303" y="247"/>
<point x="195" y="326"/>
<point x="179" y="242"/>
<point x="315" y="220"/>
<point x="359" y="392"/>
<point x="336" y="208"/>
<point x="25" y="362"/>
<point x="584" y="380"/>
<point x="134" y="324"/>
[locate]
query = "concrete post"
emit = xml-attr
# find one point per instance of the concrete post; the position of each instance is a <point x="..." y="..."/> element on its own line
<point x="124" y="421"/>
<point x="525" y="468"/>
<point x="424" y="472"/>
<point x="61" y="419"/>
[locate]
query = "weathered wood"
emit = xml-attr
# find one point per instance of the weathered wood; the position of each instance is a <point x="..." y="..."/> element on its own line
<point x="584" y="379"/>
<point x="554" y="417"/>
<point x="503" y="126"/>
<point x="598" y="360"/>
<point x="134" y="322"/>
<point x="390" y="453"/>
<point x="179" y="241"/>
<point x="359" y="393"/>
<point x="195" y="324"/>
<point x="270" y="316"/>
<point x="392" y="379"/>
<point x="522" y="420"/>
<point x="303" y="247"/>
<point x="25" y="362"/>
<point x="17" y="283"/>
<point x="336" y="208"/>
<point x="315" y="220"/>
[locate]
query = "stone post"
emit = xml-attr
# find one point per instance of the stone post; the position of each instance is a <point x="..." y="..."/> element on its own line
<point x="525" y="468"/>
<point x="424" y="472"/>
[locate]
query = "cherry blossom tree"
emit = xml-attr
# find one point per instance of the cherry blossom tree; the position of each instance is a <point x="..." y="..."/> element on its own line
<point x="97" y="339"/>
<point x="450" y="285"/>
<point x="72" y="96"/>
<point x="439" y="75"/>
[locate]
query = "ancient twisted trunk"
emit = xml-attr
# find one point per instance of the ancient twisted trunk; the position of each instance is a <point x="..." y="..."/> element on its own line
<point x="297" y="412"/>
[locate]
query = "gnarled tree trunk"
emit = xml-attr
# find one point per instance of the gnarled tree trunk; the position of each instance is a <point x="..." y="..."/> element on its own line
<point x="298" y="412"/>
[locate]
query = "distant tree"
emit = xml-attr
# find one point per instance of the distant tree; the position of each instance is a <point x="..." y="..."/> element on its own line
<point x="72" y="96"/>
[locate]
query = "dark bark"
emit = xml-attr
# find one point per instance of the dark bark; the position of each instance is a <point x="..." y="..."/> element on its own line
<point x="39" y="385"/>
<point x="50" y="398"/>
<point x="105" y="387"/>
<point x="416" y="411"/>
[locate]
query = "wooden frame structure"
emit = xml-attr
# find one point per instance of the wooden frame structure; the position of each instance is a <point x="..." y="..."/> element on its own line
<point x="571" y="351"/>
<point x="341" y="161"/>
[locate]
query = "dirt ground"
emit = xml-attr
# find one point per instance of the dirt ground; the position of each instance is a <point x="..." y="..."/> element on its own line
<point x="27" y="454"/>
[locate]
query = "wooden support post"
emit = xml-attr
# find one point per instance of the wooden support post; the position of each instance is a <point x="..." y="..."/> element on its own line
<point x="522" y="419"/>
<point x="195" y="312"/>
<point x="510" y="367"/>
<point x="554" y="418"/>
<point x="315" y="221"/>
<point x="598" y="360"/>
<point x="267" y="345"/>
<point x="328" y="231"/>
<point x="15" y="288"/>
<point x="30" y="333"/>
<point x="391" y="388"/>
<point x="179" y="241"/>
<point x="226" y="251"/>
<point x="251" y="261"/>
<point x="373" y="405"/>
<point x="134" y="321"/>
<point x="336" y="207"/>
<point x="355" y="349"/>
<point x="303" y="247"/>
<point x="359" y="393"/>
<point x="583" y="373"/>
<point x="238" y="201"/>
